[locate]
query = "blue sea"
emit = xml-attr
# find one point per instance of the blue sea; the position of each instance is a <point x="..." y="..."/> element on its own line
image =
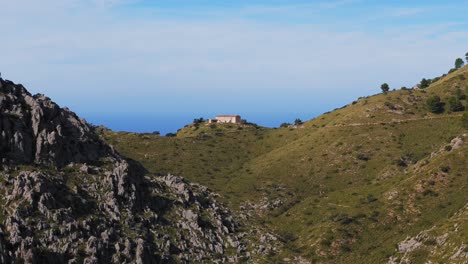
<point x="170" y="122"/>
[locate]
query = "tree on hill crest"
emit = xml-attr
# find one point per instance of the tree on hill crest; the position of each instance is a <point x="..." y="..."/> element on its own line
<point x="385" y="87"/>
<point x="459" y="63"/>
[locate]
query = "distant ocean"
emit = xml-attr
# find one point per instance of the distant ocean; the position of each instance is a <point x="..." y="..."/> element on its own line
<point x="170" y="122"/>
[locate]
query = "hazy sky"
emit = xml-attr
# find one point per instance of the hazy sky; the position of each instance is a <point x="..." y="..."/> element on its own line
<point x="155" y="65"/>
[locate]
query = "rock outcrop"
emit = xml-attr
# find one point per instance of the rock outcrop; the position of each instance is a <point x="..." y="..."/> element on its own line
<point x="33" y="129"/>
<point x="67" y="197"/>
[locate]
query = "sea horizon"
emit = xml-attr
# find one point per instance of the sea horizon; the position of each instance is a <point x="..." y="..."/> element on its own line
<point x="170" y="122"/>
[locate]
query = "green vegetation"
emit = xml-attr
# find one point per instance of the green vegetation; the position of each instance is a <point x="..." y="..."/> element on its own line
<point x="346" y="187"/>
<point x="459" y="63"/>
<point x="435" y="105"/>
<point x="424" y="83"/>
<point x="385" y="87"/>
<point x="455" y="105"/>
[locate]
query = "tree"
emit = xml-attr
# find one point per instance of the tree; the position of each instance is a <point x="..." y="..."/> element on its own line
<point x="466" y="57"/>
<point x="455" y="105"/>
<point x="435" y="105"/>
<point x="298" y="122"/>
<point x="459" y="63"/>
<point x="385" y="88"/>
<point x="156" y="133"/>
<point x="198" y="120"/>
<point x="424" y="83"/>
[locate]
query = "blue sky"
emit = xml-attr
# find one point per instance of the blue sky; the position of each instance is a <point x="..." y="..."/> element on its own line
<point x="155" y="65"/>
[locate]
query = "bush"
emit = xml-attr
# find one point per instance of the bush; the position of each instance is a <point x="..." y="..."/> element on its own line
<point x="459" y="63"/>
<point x="445" y="169"/>
<point x="287" y="236"/>
<point x="362" y="156"/>
<point x="371" y="198"/>
<point x="285" y="125"/>
<point x="435" y="105"/>
<point x="430" y="192"/>
<point x="343" y="218"/>
<point x="385" y="87"/>
<point x="424" y="83"/>
<point x="390" y="105"/>
<point x="156" y="133"/>
<point x="452" y="70"/>
<point x="171" y="135"/>
<point x="455" y="105"/>
<point x="298" y="122"/>
<point x="198" y="121"/>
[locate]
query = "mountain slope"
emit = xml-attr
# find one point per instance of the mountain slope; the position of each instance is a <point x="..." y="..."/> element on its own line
<point x="323" y="186"/>
<point x="67" y="197"/>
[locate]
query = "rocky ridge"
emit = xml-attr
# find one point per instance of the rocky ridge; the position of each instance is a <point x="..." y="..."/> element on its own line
<point x="67" y="197"/>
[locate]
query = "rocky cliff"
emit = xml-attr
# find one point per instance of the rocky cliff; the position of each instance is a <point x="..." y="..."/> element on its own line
<point x="67" y="197"/>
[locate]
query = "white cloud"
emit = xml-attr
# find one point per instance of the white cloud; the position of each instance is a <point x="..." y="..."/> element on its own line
<point x="85" y="47"/>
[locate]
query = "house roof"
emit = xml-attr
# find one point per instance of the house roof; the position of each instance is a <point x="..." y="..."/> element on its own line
<point x="227" y="115"/>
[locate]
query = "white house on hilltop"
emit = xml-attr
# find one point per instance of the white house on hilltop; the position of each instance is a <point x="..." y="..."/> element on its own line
<point x="235" y="119"/>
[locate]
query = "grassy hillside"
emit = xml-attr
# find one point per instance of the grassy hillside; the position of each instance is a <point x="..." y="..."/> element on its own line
<point x="344" y="187"/>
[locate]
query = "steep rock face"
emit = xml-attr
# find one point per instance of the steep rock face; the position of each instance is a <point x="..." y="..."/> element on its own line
<point x="33" y="129"/>
<point x="66" y="197"/>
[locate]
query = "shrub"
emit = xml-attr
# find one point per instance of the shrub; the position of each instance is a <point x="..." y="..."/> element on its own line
<point x="390" y="105"/>
<point x="371" y="198"/>
<point x="198" y="121"/>
<point x="435" y="105"/>
<point x="459" y="63"/>
<point x="424" y="83"/>
<point x="362" y="156"/>
<point x="430" y="242"/>
<point x="287" y="236"/>
<point x="385" y="87"/>
<point x="343" y="218"/>
<point x="285" y="125"/>
<point x="445" y="169"/>
<point x="455" y="105"/>
<point x="429" y="192"/>
<point x="298" y="122"/>
<point x="156" y="133"/>
<point x="171" y="135"/>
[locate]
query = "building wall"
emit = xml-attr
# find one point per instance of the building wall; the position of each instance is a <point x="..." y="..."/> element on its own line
<point x="228" y="119"/>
